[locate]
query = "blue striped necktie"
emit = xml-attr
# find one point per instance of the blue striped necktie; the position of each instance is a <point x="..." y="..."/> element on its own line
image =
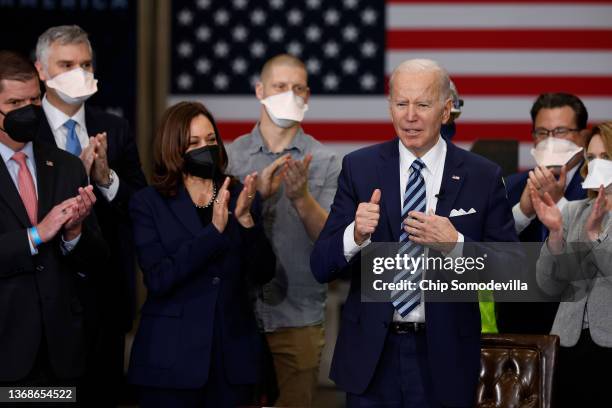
<point x="414" y="200"/>
<point x="72" y="140"/>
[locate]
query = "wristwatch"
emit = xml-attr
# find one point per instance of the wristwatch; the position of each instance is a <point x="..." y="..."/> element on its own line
<point x="111" y="178"/>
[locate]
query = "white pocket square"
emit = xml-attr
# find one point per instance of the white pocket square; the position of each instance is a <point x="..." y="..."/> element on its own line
<point x="461" y="211"/>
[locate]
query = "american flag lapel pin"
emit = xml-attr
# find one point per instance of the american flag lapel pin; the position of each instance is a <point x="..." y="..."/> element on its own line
<point x="455" y="177"/>
<point x="49" y="163"/>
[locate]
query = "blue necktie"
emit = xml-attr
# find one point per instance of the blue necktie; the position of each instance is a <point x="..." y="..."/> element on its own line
<point x="414" y="200"/>
<point x="72" y="140"/>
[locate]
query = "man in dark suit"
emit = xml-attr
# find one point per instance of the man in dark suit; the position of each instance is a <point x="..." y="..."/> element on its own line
<point x="64" y="62"/>
<point x="560" y="116"/>
<point x="47" y="241"/>
<point x="408" y="353"/>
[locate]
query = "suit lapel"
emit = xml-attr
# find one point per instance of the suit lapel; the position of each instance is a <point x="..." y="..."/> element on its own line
<point x="93" y="126"/>
<point x="45" y="176"/>
<point x="388" y="176"/>
<point x="574" y="189"/>
<point x="45" y="134"/>
<point x="452" y="180"/>
<point x="11" y="196"/>
<point x="184" y="210"/>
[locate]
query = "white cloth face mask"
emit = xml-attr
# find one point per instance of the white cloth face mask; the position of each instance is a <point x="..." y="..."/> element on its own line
<point x="600" y="172"/>
<point x="554" y="152"/>
<point x="74" y="87"/>
<point x="285" y="109"/>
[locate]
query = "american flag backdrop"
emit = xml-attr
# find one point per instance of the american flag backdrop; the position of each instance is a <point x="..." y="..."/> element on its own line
<point x="501" y="55"/>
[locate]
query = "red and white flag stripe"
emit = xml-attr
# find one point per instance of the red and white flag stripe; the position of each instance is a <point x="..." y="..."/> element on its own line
<point x="501" y="55"/>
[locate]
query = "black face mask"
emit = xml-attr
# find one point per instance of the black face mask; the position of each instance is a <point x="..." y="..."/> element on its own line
<point x="22" y="124"/>
<point x="202" y="162"/>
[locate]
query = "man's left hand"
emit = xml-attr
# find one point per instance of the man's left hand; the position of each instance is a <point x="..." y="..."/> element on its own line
<point x="100" y="172"/>
<point x="84" y="203"/>
<point x="431" y="231"/>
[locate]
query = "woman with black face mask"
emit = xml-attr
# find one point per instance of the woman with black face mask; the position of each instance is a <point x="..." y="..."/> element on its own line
<point x="200" y="246"/>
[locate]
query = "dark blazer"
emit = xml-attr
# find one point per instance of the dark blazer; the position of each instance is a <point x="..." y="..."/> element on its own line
<point x="515" y="184"/>
<point x="113" y="217"/>
<point x="197" y="281"/>
<point x="453" y="330"/>
<point x="38" y="293"/>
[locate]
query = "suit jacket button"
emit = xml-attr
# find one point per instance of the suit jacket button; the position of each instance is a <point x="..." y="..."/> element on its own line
<point x="216" y="280"/>
<point x="40" y="268"/>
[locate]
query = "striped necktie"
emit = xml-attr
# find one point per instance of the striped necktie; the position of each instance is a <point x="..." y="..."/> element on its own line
<point x="414" y="200"/>
<point x="72" y="140"/>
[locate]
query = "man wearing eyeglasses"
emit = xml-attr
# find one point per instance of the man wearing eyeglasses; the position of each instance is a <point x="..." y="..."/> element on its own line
<point x="554" y="115"/>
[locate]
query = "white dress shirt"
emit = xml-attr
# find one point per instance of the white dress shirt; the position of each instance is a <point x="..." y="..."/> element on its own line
<point x="521" y="221"/>
<point x="432" y="175"/>
<point x="57" y="119"/>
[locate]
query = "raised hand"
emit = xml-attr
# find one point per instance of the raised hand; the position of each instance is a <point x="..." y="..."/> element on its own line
<point x="81" y="208"/>
<point x="598" y="211"/>
<point x="55" y="219"/>
<point x="546" y="209"/>
<point x="242" y="212"/>
<point x="220" y="211"/>
<point x="366" y="218"/>
<point x="270" y="178"/>
<point x="100" y="171"/>
<point x="88" y="155"/>
<point x="550" y="216"/>
<point x="295" y="177"/>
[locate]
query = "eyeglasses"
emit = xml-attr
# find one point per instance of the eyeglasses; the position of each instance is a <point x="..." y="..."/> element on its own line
<point x="542" y="133"/>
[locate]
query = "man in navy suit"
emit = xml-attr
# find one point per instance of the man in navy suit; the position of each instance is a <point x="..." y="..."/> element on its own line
<point x="48" y="241"/>
<point x="410" y="353"/>
<point x="561" y="116"/>
<point x="105" y="144"/>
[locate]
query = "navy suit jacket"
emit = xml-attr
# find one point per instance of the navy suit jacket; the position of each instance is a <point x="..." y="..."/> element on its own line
<point x="197" y="281"/>
<point x="453" y="330"/>
<point x="118" y="275"/>
<point x="515" y="184"/>
<point x="41" y="295"/>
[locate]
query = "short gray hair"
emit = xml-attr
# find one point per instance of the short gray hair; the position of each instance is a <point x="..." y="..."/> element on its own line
<point x="421" y="65"/>
<point x="65" y="34"/>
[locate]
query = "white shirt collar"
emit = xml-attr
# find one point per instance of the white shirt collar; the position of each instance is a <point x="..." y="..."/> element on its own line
<point x="57" y="118"/>
<point x="431" y="158"/>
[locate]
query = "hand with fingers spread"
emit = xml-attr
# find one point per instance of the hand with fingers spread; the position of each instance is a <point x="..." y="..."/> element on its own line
<point x="55" y="219"/>
<point x="366" y="218"/>
<point x="220" y="207"/>
<point x="242" y="212"/>
<point x="81" y="208"/>
<point x="295" y="177"/>
<point x="88" y="155"/>
<point x="270" y="178"/>
<point x="431" y="230"/>
<point x="100" y="172"/>
<point x="599" y="210"/>
<point x="550" y="215"/>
